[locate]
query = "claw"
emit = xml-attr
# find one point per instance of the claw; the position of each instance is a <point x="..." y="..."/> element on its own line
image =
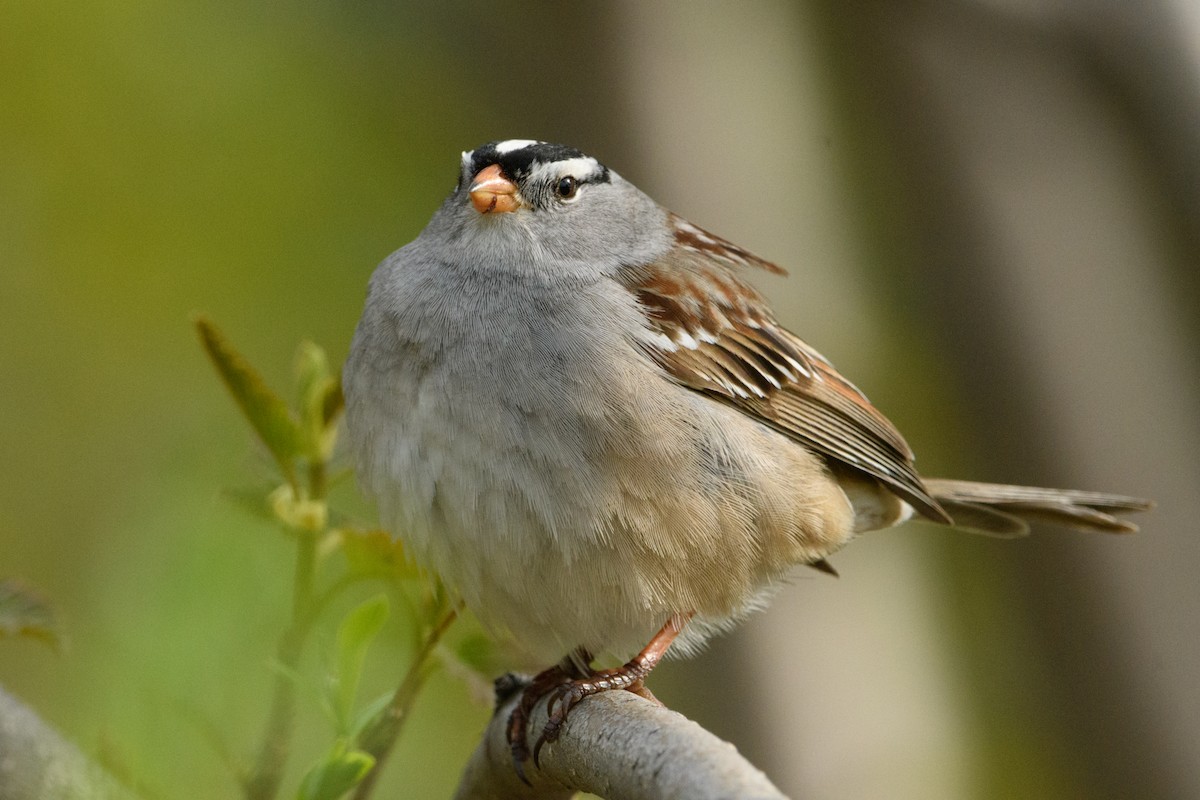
<point x="519" y="767"/>
<point x="550" y="680"/>
<point x="541" y="740"/>
<point x="565" y="692"/>
<point x="516" y="743"/>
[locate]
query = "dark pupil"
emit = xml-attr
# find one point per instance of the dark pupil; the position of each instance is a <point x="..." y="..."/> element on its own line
<point x="566" y="187"/>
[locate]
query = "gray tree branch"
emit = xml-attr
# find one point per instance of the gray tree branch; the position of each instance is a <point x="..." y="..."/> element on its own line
<point x="36" y="763"/>
<point x="620" y="747"/>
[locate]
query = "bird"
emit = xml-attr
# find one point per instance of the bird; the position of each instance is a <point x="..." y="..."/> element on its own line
<point x="571" y="404"/>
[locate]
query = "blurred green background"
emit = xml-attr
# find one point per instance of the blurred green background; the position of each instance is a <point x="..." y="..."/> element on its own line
<point x="989" y="211"/>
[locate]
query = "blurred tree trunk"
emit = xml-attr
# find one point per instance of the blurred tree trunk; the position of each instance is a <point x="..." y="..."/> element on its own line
<point x="1004" y="191"/>
<point x="736" y="133"/>
<point x="1050" y="186"/>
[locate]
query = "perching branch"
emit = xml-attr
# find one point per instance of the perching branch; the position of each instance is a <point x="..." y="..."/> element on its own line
<point x="615" y="745"/>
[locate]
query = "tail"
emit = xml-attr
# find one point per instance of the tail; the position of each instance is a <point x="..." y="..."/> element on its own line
<point x="1006" y="511"/>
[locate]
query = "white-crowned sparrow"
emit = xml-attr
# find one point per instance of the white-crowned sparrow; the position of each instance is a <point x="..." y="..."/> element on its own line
<point x="571" y="405"/>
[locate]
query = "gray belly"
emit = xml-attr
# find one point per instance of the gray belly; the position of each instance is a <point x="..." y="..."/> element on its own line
<point x="569" y="491"/>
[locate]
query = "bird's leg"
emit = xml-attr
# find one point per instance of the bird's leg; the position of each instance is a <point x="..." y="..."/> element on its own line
<point x="631" y="677"/>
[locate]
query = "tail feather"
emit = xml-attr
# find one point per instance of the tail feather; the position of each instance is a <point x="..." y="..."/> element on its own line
<point x="978" y="518"/>
<point x="1002" y="510"/>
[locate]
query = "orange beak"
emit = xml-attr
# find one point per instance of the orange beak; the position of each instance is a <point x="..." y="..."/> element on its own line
<point x="491" y="192"/>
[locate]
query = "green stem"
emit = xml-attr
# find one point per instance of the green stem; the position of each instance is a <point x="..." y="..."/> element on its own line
<point x="263" y="782"/>
<point x="380" y="739"/>
<point x="317" y="482"/>
<point x="305" y="577"/>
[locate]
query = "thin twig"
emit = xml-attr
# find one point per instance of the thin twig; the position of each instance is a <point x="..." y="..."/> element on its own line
<point x="380" y="739"/>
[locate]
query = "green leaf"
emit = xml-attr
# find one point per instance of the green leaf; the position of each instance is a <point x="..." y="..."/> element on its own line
<point x="375" y="553"/>
<point x="368" y="714"/>
<point x="319" y="401"/>
<point x="312" y="369"/>
<point x="354" y="636"/>
<point x="266" y="411"/>
<point x="337" y="773"/>
<point x="24" y="613"/>
<point x="334" y="401"/>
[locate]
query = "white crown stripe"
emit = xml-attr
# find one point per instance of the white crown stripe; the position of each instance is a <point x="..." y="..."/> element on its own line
<point x="514" y="144"/>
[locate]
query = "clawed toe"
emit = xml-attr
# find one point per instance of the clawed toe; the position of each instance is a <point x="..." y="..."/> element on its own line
<point x="549" y="734"/>
<point x="517" y="725"/>
<point x="565" y="692"/>
<point x="518" y="721"/>
<point x="560" y="704"/>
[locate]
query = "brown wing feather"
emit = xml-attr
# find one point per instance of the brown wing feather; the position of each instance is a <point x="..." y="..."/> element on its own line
<point x="719" y="337"/>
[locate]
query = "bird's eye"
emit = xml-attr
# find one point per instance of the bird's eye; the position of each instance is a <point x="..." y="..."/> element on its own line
<point x="566" y="187"/>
